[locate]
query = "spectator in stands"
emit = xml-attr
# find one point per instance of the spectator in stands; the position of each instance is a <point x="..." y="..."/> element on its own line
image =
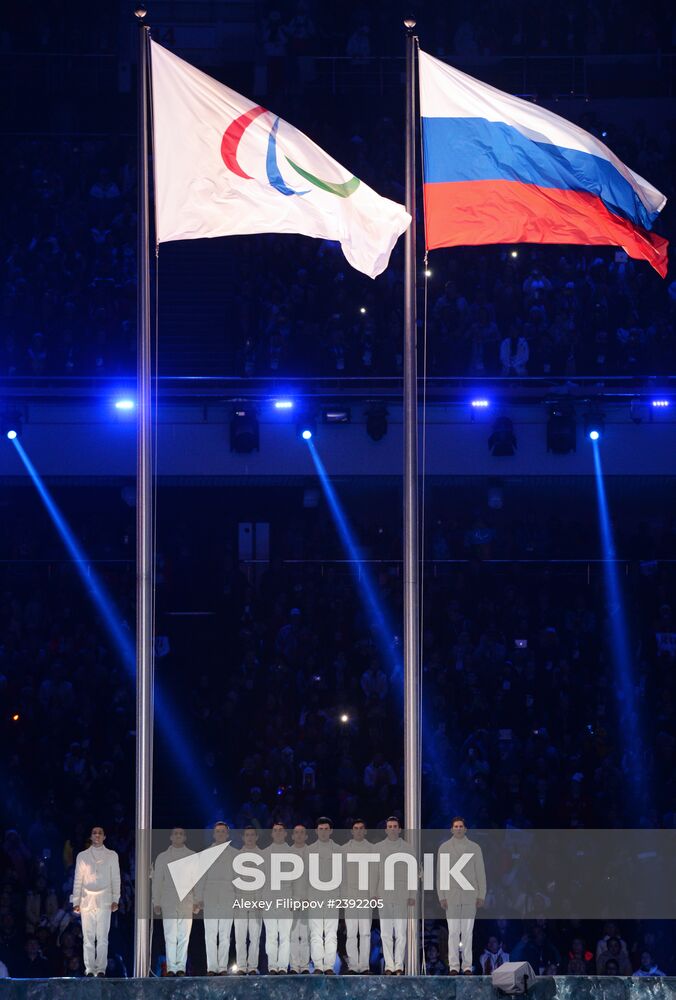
<point x="580" y="961"/>
<point x="492" y="957"/>
<point x="648" y="967"/>
<point x="514" y="354"/>
<point x="614" y="953"/>
<point x="33" y="965"/>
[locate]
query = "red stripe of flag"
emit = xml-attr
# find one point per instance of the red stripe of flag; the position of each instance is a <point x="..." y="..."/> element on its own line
<point x="470" y="213"/>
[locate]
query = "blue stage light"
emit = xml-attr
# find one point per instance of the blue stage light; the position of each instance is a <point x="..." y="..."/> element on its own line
<point x="306" y="434"/>
<point x="10" y="425"/>
<point x="624" y="680"/>
<point x="120" y="634"/>
<point x="594" y="423"/>
<point x="661" y="403"/>
<point x="480" y="404"/>
<point x="125" y="404"/>
<point x="360" y="569"/>
<point x="283" y="404"/>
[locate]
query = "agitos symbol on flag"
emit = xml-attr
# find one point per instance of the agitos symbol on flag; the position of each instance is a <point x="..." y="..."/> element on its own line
<point x="498" y="169"/>
<point x="225" y="166"/>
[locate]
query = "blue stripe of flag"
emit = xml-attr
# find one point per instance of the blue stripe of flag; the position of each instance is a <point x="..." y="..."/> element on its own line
<point x="474" y="149"/>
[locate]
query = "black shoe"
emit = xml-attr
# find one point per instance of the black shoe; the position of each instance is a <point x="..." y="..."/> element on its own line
<point x="89" y="975"/>
<point x="399" y="972"/>
<point x="223" y="973"/>
<point x="182" y="973"/>
<point x="212" y="973"/>
<point x="454" y="972"/>
<point x="329" y="972"/>
<point x="305" y="972"/>
<point x="350" y="972"/>
<point x="318" y="972"/>
<point x="252" y="972"/>
<point x="388" y="972"/>
<point x="171" y="973"/>
<point x="100" y="975"/>
<point x="293" y="972"/>
<point x="467" y="972"/>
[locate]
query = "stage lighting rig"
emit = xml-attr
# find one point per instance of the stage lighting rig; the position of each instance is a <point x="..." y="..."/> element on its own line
<point x="306" y="427"/>
<point x="502" y="441"/>
<point x="561" y="428"/>
<point x="376" y="421"/>
<point x="11" y="425"/>
<point x="244" y="432"/>
<point x="337" y="415"/>
<point x="594" y="424"/>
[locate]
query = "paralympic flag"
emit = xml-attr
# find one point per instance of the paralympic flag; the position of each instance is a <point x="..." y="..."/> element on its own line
<point x="225" y="166"/>
<point x="498" y="169"/>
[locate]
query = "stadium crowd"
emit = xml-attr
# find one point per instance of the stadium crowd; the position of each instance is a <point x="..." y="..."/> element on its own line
<point x="524" y="716"/>
<point x="518" y="734"/>
<point x="306" y="27"/>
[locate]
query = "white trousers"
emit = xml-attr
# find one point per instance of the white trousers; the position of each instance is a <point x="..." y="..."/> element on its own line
<point x="323" y="942"/>
<point x="358" y="943"/>
<point x="217" y="937"/>
<point x="247" y="961"/>
<point x="95" y="927"/>
<point x="176" y="937"/>
<point x="393" y="937"/>
<point x="460" y="929"/>
<point x="278" y="944"/>
<point x="300" y="946"/>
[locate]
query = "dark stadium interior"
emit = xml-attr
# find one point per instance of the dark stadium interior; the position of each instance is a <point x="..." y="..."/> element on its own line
<point x="287" y="686"/>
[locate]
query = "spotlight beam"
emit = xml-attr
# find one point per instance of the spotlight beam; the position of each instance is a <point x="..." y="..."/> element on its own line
<point x="435" y="760"/>
<point x="359" y="569"/>
<point x="620" y="646"/>
<point x="121" y="636"/>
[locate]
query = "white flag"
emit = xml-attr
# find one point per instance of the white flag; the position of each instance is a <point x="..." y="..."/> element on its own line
<point x="225" y="166"/>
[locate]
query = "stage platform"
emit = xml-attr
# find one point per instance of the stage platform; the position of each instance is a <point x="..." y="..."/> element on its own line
<point x="334" y="988"/>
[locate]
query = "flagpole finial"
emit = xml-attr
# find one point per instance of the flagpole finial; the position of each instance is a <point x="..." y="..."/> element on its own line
<point x="409" y="24"/>
<point x="140" y="11"/>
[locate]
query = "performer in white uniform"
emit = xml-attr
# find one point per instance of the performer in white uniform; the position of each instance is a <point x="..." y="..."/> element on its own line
<point x="358" y="921"/>
<point x="215" y="892"/>
<point x="461" y="904"/>
<point x="300" y="940"/>
<point x="324" y="929"/>
<point x="96" y="894"/>
<point x="250" y="925"/>
<point x="396" y="900"/>
<point x="176" y="915"/>
<point x="278" y="921"/>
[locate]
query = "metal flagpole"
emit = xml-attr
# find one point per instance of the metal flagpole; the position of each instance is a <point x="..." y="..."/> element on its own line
<point x="144" y="566"/>
<point x="411" y="568"/>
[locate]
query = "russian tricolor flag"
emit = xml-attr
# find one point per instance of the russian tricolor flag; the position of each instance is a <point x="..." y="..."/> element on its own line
<point x="501" y="170"/>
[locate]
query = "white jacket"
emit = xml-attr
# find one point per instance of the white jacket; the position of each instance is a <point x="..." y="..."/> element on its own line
<point x="351" y="871"/>
<point x="164" y="890"/>
<point x="300" y="886"/>
<point x="215" y="889"/>
<point x="326" y="851"/>
<point x="97" y="878"/>
<point x="285" y="889"/>
<point x="395" y="899"/>
<point x="473" y="871"/>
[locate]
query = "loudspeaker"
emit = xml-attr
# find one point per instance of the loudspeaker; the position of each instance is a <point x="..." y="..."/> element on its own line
<point x="513" y="977"/>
